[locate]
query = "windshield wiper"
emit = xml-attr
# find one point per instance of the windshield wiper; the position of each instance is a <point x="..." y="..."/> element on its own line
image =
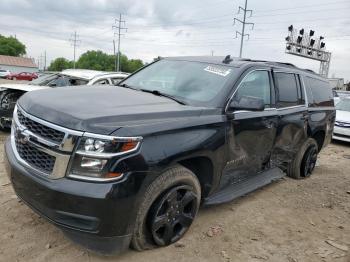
<point x="157" y="93"/>
<point x="127" y="86"/>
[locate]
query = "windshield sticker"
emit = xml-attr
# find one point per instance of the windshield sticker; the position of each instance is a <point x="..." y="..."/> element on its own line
<point x="218" y="70"/>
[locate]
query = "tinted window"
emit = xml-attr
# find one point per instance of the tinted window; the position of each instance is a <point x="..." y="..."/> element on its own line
<point x="288" y="90"/>
<point x="255" y="84"/>
<point x="321" y="92"/>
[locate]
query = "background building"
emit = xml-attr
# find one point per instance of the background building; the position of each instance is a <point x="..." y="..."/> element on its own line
<point x="337" y="83"/>
<point x="17" y="64"/>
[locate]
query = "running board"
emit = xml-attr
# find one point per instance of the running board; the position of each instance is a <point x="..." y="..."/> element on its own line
<point x="245" y="187"/>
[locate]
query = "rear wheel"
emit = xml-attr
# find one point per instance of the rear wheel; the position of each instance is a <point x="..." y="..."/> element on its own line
<point x="168" y="209"/>
<point x="305" y="161"/>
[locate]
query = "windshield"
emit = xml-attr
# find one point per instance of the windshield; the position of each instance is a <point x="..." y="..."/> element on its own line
<point x="344" y="105"/>
<point x="194" y="82"/>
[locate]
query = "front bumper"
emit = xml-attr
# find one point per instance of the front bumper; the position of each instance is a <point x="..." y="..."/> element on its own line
<point x="97" y="215"/>
<point x="341" y="133"/>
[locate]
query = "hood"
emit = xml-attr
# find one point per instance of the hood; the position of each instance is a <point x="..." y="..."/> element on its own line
<point x="343" y="116"/>
<point x="102" y="110"/>
<point x="22" y="87"/>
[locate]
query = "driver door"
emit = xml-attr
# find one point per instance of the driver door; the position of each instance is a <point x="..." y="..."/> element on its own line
<point x="251" y="134"/>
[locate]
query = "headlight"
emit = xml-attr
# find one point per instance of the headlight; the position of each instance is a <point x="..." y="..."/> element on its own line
<point x="91" y="159"/>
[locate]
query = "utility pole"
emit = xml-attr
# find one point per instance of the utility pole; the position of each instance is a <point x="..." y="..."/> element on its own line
<point x="119" y="30"/>
<point x="74" y="42"/>
<point x="45" y="60"/>
<point x="212" y="52"/>
<point x="41" y="62"/>
<point x="115" y="56"/>
<point x="244" y="23"/>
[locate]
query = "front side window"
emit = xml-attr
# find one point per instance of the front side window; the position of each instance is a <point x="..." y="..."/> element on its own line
<point x="288" y="89"/>
<point x="191" y="82"/>
<point x="255" y="84"/>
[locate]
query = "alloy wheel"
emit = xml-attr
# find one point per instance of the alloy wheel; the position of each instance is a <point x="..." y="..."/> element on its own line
<point x="309" y="161"/>
<point x="173" y="214"/>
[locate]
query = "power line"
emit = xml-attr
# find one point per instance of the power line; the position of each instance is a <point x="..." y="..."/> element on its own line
<point x="75" y="42"/>
<point x="305" y="12"/>
<point x="219" y="18"/>
<point x="216" y="29"/>
<point x="244" y="23"/>
<point x="119" y="29"/>
<point x="301" y="7"/>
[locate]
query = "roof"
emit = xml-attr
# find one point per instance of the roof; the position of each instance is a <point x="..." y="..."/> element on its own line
<point x="88" y="74"/>
<point x="209" y="59"/>
<point x="237" y="62"/>
<point x="17" y="61"/>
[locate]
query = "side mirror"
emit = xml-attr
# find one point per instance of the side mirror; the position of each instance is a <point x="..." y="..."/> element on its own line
<point x="248" y="103"/>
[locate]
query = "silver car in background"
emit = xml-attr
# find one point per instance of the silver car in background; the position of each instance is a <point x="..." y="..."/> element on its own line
<point x="342" y="123"/>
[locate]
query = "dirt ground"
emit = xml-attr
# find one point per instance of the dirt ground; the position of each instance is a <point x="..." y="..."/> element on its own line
<point x="293" y="221"/>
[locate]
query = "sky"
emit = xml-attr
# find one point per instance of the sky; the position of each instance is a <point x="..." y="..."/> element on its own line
<point x="178" y="28"/>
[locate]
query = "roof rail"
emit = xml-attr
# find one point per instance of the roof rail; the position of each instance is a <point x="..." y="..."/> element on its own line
<point x="309" y="70"/>
<point x="282" y="63"/>
<point x="252" y="60"/>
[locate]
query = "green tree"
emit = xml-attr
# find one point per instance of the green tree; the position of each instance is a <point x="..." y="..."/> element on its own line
<point x="96" y="60"/>
<point x="133" y="65"/>
<point x="11" y="46"/>
<point x="60" y="64"/>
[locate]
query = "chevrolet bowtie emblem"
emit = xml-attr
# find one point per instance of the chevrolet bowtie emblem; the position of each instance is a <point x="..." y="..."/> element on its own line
<point x="22" y="137"/>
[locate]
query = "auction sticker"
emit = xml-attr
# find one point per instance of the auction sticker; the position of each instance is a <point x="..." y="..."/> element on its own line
<point x="218" y="70"/>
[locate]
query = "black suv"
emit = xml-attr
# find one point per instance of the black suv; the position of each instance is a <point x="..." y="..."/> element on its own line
<point x="130" y="165"/>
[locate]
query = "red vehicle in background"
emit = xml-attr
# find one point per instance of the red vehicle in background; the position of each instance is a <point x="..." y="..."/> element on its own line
<point x="22" y="76"/>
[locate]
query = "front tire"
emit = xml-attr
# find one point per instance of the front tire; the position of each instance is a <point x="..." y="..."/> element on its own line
<point x="167" y="210"/>
<point x="305" y="161"/>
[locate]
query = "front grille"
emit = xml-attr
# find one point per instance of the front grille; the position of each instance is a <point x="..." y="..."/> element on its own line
<point x="39" y="129"/>
<point x="341" y="135"/>
<point x="38" y="159"/>
<point x="342" y="124"/>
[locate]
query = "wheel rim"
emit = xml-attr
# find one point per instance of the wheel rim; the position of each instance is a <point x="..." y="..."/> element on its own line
<point x="173" y="215"/>
<point x="309" y="161"/>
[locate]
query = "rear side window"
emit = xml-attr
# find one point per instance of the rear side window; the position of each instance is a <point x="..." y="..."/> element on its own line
<point x="321" y="92"/>
<point x="289" y="93"/>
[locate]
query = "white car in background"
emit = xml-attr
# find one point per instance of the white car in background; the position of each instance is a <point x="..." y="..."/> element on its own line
<point x="342" y="122"/>
<point x="10" y="93"/>
<point x="339" y="95"/>
<point x="4" y="73"/>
